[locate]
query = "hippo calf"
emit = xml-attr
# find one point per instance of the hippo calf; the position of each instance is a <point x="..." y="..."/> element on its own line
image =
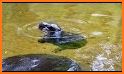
<point x="39" y="62"/>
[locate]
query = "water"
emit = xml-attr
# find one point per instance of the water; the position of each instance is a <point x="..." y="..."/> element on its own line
<point x="100" y="23"/>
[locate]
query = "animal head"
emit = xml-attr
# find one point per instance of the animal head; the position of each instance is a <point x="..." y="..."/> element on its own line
<point x="42" y="25"/>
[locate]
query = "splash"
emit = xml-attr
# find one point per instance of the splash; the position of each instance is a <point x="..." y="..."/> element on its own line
<point x="101" y="63"/>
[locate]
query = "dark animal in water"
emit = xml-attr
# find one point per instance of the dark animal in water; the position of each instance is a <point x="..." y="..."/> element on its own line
<point x="50" y="29"/>
<point x="53" y="33"/>
<point x="66" y="37"/>
<point x="39" y="62"/>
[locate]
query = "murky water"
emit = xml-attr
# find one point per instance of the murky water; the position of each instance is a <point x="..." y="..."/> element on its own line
<point x="100" y="23"/>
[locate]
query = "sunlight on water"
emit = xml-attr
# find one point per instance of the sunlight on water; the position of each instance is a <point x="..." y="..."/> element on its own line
<point x="99" y="23"/>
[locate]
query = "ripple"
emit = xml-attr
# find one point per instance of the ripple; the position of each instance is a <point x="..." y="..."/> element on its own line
<point x="29" y="30"/>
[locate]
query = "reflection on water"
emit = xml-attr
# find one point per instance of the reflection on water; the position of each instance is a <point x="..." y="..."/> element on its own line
<point x="100" y="23"/>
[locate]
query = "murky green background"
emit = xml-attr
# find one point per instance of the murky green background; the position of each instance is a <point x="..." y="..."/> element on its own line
<point x="99" y="22"/>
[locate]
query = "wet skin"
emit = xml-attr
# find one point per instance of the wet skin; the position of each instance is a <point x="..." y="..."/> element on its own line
<point x="38" y="62"/>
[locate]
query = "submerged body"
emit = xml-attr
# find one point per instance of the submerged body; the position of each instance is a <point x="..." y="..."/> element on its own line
<point x="39" y="62"/>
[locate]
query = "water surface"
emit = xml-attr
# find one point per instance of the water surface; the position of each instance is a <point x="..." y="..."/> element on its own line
<point x="99" y="22"/>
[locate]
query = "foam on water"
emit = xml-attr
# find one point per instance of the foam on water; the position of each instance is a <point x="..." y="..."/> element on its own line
<point x="107" y="47"/>
<point x="102" y="61"/>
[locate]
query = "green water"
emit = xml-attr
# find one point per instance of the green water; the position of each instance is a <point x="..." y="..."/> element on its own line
<point x="99" y="22"/>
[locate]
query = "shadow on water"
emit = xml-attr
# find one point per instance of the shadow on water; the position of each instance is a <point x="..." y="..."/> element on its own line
<point x="71" y="45"/>
<point x="39" y="62"/>
<point x="78" y="42"/>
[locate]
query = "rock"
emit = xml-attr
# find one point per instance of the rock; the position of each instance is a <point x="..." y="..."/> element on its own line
<point x="39" y="62"/>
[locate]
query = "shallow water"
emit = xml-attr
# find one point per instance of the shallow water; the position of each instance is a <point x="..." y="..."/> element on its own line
<point x="100" y="23"/>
